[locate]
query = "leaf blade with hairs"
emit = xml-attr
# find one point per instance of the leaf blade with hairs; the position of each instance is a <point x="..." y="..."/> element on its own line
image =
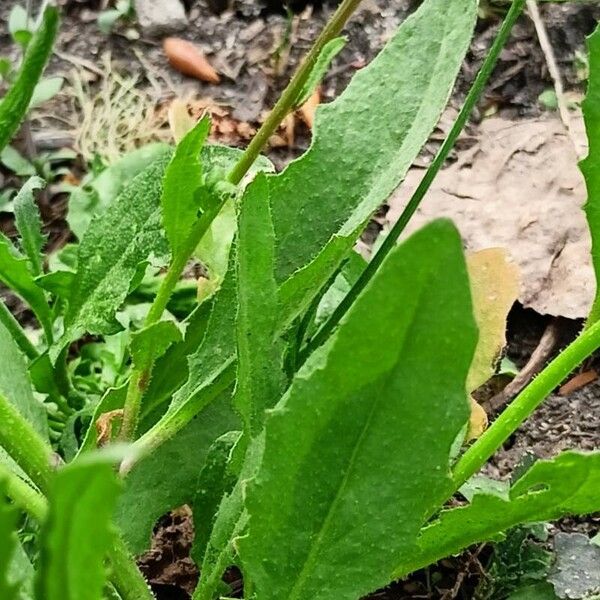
<point x="150" y="343"/>
<point x="360" y="416"/>
<point x="590" y="166"/>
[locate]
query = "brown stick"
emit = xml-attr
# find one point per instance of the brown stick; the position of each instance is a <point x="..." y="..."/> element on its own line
<point x="535" y="364"/>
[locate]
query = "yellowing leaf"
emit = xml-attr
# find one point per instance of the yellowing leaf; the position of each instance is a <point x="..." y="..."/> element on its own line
<point x="180" y="120"/>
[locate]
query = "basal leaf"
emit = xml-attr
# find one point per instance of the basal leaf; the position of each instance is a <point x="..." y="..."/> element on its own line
<point x="566" y="485"/>
<point x="95" y="196"/>
<point x="357" y="452"/>
<point x="77" y="534"/>
<point x="329" y="52"/>
<point x="15" y="273"/>
<point x="15" y="103"/>
<point x="360" y="154"/>
<point x="183" y="177"/>
<point x="29" y="223"/>
<point x="109" y="255"/>
<point x="150" y="343"/>
<point x="590" y="167"/>
<point x="15" y="384"/>
<point x="168" y="477"/>
<point x="259" y="350"/>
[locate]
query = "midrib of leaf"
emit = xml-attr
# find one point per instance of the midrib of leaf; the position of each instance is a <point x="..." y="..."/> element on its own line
<point x="381" y="384"/>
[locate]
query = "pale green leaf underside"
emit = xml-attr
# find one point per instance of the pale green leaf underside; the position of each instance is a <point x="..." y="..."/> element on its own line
<point x="357" y="451"/>
<point x="566" y="485"/>
<point x="77" y="533"/>
<point x="590" y="167"/>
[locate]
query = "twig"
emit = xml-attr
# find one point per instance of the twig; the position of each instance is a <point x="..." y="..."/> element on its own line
<point x="548" y="51"/>
<point x="535" y="364"/>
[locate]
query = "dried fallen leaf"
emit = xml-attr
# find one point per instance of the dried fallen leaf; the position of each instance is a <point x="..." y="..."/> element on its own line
<point x="104" y="426"/>
<point x="494" y="289"/>
<point x="309" y="108"/>
<point x="577" y="382"/>
<point x="180" y="120"/>
<point x="519" y="188"/>
<point x="187" y="59"/>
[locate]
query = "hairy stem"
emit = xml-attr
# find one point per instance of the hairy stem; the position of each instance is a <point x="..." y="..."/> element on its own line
<point x="525" y="403"/>
<point x="135" y="390"/>
<point x="125" y="575"/>
<point x="17" y="333"/>
<point x="392" y="237"/>
<point x="289" y="96"/>
<point x="23" y="495"/>
<point x="24" y="445"/>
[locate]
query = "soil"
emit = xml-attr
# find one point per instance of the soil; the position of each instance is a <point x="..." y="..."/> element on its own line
<point x="242" y="44"/>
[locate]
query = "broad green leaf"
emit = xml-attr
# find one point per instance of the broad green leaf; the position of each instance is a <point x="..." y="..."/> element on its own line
<point x="45" y="90"/>
<point x="357" y="452"/>
<point x="15" y="273"/>
<point x="29" y="223"/>
<point x="590" y="167"/>
<point x="110" y="253"/>
<point x="329" y="52"/>
<point x="168" y="477"/>
<point x="214" y="482"/>
<point x="15" y="103"/>
<point x="9" y="590"/>
<point x="14" y="161"/>
<point x="152" y="342"/>
<point x="259" y="351"/>
<point x="15" y="384"/>
<point x="78" y="531"/>
<point x="183" y="178"/>
<point x="566" y="485"/>
<point x="365" y="141"/>
<point x="94" y="197"/>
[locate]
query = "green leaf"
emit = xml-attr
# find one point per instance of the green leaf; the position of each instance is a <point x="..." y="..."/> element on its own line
<point x="359" y="154"/>
<point x="113" y="247"/>
<point x="214" y="482"/>
<point x="357" y="452"/>
<point x="94" y="197"/>
<point x="259" y="351"/>
<point x="331" y="49"/>
<point x="590" y="166"/>
<point x="29" y="223"/>
<point x="78" y="532"/>
<point x="183" y="178"/>
<point x="152" y="342"/>
<point x="168" y="477"/>
<point x="15" y="103"/>
<point x="45" y="90"/>
<point x="566" y="485"/>
<point x="15" y="384"/>
<point x="14" y="161"/>
<point x="19" y="25"/>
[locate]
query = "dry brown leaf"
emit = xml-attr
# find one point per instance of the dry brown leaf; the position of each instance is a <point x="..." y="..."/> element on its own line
<point x="478" y="421"/>
<point x="104" y="426"/>
<point x="186" y="58"/>
<point x="309" y="108"/>
<point x="180" y="120"/>
<point x="578" y="381"/>
<point x="519" y="188"/>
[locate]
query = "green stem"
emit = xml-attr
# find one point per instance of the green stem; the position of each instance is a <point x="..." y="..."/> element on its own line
<point x="23" y="495"/>
<point x="24" y="445"/>
<point x="17" y="333"/>
<point x="136" y="387"/>
<point x="289" y="96"/>
<point x="125" y="575"/>
<point x="392" y="237"/>
<point x="525" y="403"/>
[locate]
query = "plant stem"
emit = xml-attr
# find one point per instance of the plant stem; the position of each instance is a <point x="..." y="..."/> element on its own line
<point x="289" y="96"/>
<point x="392" y="237"/>
<point x="136" y="387"/>
<point x="17" y="333"/>
<point x="23" y="495"/>
<point x="24" y="445"/>
<point x="125" y="575"/>
<point x="525" y="403"/>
